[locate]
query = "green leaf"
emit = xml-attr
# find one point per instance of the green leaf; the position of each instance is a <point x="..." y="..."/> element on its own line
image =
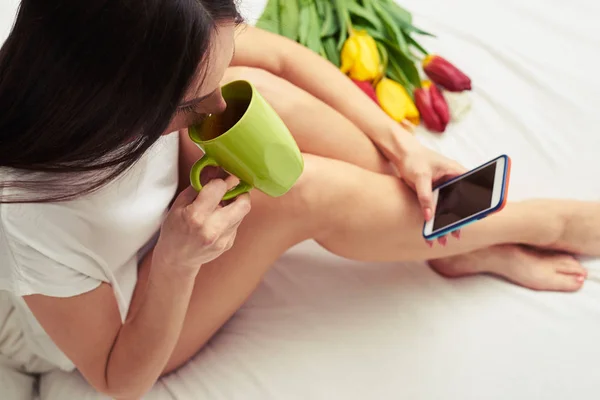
<point x="383" y="53"/>
<point x="405" y="64"/>
<point x="368" y="5"/>
<point x="360" y="21"/>
<point x="314" y="30"/>
<point x="402" y="18"/>
<point x="330" y="23"/>
<point x="303" y="24"/>
<point x="343" y="18"/>
<point x="411" y="41"/>
<point x="320" y="8"/>
<point x="399" y="13"/>
<point x="269" y="20"/>
<point x="412" y="28"/>
<point x="371" y="31"/>
<point x="393" y="32"/>
<point x="331" y="51"/>
<point x="268" y="25"/>
<point x="288" y="18"/>
<point x="395" y="73"/>
<point x="270" y="10"/>
<point x="356" y="10"/>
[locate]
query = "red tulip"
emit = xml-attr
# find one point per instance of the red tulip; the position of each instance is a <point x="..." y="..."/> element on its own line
<point x="368" y="88"/>
<point x="433" y="107"/>
<point x="445" y="74"/>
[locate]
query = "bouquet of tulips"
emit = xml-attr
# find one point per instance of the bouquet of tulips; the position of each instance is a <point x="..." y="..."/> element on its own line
<point x="374" y="43"/>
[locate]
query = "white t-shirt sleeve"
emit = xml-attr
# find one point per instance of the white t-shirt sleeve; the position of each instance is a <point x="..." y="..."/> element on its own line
<point x="38" y="256"/>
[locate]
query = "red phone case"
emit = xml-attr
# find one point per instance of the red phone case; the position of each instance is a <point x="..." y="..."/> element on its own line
<point x="506" y="182"/>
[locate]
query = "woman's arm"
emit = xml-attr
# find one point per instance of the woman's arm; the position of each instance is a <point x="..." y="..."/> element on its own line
<point x="120" y="360"/>
<point x="417" y="165"/>
<point x="309" y="71"/>
<point x="124" y="360"/>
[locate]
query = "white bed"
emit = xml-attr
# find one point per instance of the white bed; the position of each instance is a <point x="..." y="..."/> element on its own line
<point x="320" y="327"/>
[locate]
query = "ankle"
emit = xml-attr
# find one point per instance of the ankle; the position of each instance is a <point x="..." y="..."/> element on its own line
<point x="552" y="216"/>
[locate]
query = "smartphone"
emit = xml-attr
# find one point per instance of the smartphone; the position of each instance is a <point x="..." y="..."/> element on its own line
<point x="469" y="197"/>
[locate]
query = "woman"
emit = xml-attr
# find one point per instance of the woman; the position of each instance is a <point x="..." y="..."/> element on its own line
<point x="90" y="92"/>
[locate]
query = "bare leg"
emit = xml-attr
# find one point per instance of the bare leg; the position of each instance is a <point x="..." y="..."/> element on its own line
<point x="377" y="219"/>
<point x="317" y="128"/>
<point x="374" y="217"/>
<point x="527" y="267"/>
<point x="323" y="131"/>
<point x="579" y="236"/>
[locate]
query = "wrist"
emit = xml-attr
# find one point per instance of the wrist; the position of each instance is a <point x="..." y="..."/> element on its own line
<point x="395" y="142"/>
<point x="163" y="267"/>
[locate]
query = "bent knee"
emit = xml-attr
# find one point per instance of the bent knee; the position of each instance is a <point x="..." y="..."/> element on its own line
<point x="310" y="199"/>
<point x="263" y="80"/>
<point x="301" y="204"/>
<point x="284" y="96"/>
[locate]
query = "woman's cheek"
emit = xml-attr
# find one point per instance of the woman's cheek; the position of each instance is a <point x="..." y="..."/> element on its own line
<point x="177" y="123"/>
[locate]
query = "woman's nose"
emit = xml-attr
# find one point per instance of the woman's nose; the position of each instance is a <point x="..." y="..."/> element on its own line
<point x="218" y="104"/>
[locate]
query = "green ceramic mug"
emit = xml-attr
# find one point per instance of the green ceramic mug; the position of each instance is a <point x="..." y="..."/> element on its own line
<point x="249" y="140"/>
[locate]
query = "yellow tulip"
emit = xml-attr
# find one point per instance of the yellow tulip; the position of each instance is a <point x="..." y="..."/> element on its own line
<point x="360" y="57"/>
<point x="396" y="102"/>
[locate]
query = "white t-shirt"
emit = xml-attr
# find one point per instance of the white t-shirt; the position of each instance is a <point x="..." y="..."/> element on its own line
<point x="65" y="249"/>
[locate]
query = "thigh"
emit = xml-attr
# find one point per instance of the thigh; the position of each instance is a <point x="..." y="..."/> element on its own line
<point x="318" y="128"/>
<point x="350" y="211"/>
<point x="222" y="286"/>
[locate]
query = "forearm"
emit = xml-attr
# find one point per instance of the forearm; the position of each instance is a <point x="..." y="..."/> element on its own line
<point x="337" y="90"/>
<point x="314" y="74"/>
<point x="147" y="339"/>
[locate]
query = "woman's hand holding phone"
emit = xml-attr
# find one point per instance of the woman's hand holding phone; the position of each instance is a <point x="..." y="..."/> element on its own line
<point x="467" y="199"/>
<point x="421" y="168"/>
<point x="198" y="229"/>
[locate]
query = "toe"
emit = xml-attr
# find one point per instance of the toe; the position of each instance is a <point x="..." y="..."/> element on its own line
<point x="571" y="266"/>
<point x="570" y="274"/>
<point x="569" y="283"/>
<point x="556" y="281"/>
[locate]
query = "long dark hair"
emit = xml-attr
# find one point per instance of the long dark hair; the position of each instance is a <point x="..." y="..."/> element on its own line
<point x="86" y="87"/>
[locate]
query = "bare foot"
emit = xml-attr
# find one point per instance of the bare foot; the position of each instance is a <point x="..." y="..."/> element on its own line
<point x="526" y="267"/>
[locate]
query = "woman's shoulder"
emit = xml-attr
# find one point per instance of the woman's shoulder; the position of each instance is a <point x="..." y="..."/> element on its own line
<point x="94" y="234"/>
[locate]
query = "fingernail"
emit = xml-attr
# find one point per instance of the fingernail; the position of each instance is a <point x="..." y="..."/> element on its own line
<point x="430" y="244"/>
<point x="458" y="235"/>
<point x="580" y="278"/>
<point x="427" y="213"/>
<point x="443" y="241"/>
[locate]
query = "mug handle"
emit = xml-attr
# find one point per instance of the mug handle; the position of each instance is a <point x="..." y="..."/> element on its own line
<point x="207" y="161"/>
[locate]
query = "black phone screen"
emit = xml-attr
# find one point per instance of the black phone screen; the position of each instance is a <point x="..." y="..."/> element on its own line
<point x="465" y="197"/>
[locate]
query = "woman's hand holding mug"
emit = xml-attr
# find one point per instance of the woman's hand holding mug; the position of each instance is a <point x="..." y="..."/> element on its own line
<point x="198" y="229"/>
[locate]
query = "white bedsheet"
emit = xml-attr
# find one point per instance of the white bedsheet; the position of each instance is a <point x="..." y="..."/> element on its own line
<point x="320" y="327"/>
